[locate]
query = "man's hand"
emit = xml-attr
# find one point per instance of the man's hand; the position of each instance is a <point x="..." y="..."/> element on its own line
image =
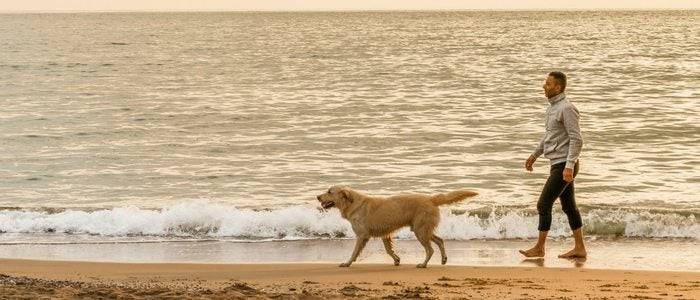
<point x="568" y="175"/>
<point x="529" y="162"/>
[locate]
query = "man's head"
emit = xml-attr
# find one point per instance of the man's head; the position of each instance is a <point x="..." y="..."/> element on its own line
<point x="555" y="84"/>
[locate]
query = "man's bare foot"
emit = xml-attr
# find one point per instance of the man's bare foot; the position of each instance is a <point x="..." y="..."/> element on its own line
<point x="575" y="253"/>
<point x="534" y="252"/>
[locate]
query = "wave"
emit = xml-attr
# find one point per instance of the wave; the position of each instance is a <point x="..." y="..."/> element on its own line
<point x="205" y="220"/>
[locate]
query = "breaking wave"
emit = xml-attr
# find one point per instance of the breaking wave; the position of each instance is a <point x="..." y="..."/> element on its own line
<point x="209" y="220"/>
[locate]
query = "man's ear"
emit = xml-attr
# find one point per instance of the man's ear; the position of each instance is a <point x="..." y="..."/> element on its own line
<point x="347" y="194"/>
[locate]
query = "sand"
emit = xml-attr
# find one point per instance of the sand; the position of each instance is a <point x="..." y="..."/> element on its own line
<point x="63" y="279"/>
<point x="646" y="254"/>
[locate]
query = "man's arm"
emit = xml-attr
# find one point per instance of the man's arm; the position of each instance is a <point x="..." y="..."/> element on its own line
<point x="533" y="157"/>
<point x="540" y="149"/>
<point x="571" y="125"/>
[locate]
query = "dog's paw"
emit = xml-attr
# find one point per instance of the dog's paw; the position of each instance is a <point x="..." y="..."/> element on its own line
<point x="444" y="260"/>
<point x="421" y="266"/>
<point x="344" y="265"/>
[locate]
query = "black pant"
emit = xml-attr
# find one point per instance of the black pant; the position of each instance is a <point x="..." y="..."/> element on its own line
<point x="555" y="188"/>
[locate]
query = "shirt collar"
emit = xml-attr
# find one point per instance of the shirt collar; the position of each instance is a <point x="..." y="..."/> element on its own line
<point x="557" y="98"/>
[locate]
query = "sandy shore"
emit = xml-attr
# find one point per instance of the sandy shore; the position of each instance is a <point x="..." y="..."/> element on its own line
<point x="647" y="254"/>
<point x="57" y="279"/>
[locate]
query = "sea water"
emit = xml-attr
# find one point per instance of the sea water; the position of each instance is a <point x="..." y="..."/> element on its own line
<point x="142" y="127"/>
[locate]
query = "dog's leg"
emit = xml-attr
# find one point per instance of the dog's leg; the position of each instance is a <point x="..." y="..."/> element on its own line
<point x="424" y="239"/>
<point x="389" y="246"/>
<point x="359" y="245"/>
<point x="441" y="244"/>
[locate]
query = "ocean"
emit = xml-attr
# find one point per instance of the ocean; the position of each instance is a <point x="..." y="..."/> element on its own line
<point x="222" y="127"/>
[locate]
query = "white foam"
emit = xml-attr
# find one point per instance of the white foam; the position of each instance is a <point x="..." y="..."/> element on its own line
<point x="212" y="220"/>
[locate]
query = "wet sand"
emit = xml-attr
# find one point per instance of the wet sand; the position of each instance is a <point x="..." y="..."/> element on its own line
<point x="652" y="255"/>
<point x="57" y="279"/>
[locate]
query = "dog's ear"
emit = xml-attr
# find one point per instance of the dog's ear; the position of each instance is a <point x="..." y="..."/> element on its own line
<point x="347" y="194"/>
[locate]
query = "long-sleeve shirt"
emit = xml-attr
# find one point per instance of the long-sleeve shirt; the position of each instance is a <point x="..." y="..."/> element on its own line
<point x="562" y="141"/>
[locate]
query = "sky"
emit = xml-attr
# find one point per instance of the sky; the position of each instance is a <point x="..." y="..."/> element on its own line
<point x="169" y="5"/>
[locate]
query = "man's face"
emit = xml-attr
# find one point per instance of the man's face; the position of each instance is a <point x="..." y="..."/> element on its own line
<point x="551" y="87"/>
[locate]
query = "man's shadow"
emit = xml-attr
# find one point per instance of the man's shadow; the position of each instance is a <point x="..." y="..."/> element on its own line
<point x="578" y="262"/>
<point x="538" y="261"/>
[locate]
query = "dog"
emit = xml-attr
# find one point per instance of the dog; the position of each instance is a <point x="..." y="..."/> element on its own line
<point x="380" y="217"/>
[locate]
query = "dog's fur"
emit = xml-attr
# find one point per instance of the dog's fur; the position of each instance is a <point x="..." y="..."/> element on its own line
<point x="380" y="217"/>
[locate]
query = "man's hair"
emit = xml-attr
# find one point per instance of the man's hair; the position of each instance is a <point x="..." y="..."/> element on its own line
<point x="560" y="78"/>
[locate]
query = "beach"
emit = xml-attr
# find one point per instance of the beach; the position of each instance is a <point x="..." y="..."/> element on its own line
<point x="308" y="269"/>
<point x="180" y="154"/>
<point x="640" y="254"/>
<point x="60" y="279"/>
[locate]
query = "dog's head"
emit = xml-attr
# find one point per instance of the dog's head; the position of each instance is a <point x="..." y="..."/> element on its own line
<point x="338" y="196"/>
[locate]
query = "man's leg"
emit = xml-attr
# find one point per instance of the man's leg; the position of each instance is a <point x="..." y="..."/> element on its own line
<point x="579" y="250"/>
<point x="568" y="205"/>
<point x="538" y="249"/>
<point x="550" y="192"/>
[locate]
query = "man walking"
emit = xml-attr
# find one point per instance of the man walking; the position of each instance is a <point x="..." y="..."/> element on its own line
<point x="562" y="145"/>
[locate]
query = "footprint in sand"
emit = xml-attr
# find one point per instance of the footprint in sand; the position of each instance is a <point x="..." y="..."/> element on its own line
<point x="351" y="290"/>
<point x="447" y="285"/>
<point x="443" y="278"/>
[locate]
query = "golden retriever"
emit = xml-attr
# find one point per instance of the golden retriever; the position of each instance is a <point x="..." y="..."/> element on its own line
<point x="380" y="217"/>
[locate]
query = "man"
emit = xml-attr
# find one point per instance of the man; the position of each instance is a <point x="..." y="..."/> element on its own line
<point x="562" y="145"/>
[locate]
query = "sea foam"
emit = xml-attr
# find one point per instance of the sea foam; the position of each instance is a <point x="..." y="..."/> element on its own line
<point x="214" y="220"/>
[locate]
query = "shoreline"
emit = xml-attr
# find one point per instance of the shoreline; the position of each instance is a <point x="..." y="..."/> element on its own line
<point x="64" y="279"/>
<point x="679" y="255"/>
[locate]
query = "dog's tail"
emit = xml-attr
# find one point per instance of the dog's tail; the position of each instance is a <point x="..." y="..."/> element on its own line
<point x="452" y="197"/>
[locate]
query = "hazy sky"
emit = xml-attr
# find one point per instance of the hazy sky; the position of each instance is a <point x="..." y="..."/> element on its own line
<point x="51" y="5"/>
